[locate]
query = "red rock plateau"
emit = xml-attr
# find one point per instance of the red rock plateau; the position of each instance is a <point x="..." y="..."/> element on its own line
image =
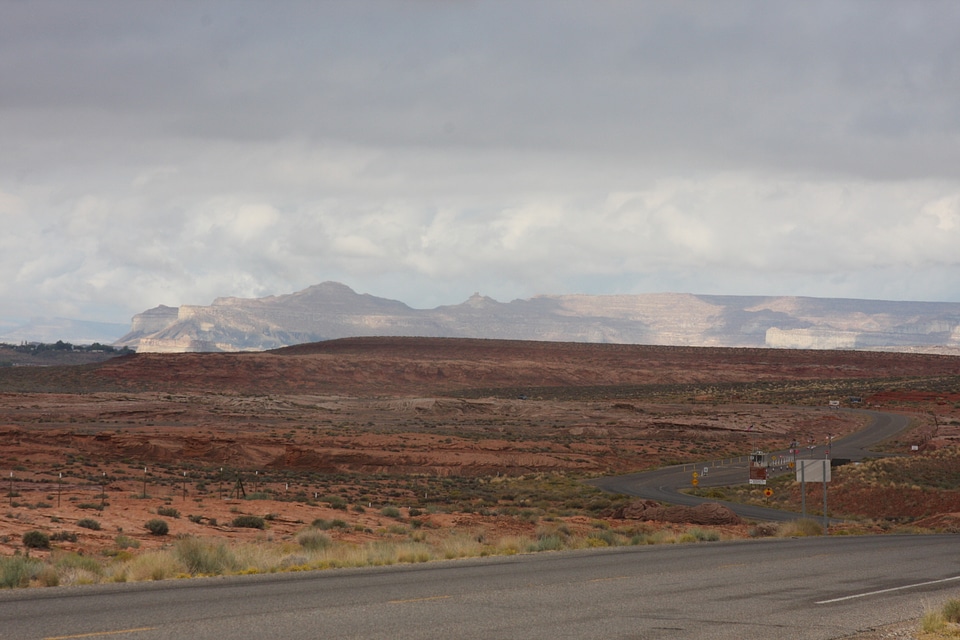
<point x="340" y="429"/>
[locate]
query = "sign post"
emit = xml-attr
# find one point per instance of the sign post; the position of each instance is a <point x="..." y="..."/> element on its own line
<point x="758" y="468"/>
<point x="816" y="471"/>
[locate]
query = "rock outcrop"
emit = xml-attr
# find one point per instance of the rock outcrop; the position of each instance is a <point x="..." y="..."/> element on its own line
<point x="708" y="513"/>
<point x="332" y="310"/>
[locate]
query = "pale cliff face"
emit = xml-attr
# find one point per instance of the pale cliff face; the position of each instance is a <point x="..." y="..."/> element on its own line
<point x="331" y="310"/>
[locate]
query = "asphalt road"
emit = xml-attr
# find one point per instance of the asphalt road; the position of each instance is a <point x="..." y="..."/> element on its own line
<point x="807" y="588"/>
<point x="664" y="484"/>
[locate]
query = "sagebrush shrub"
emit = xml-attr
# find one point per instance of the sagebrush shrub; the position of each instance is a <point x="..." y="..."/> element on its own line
<point x="207" y="558"/>
<point x="36" y="540"/>
<point x="17" y="571"/>
<point x="312" y="540"/>
<point x="157" y="527"/>
<point x="89" y="523"/>
<point x="249" y="522"/>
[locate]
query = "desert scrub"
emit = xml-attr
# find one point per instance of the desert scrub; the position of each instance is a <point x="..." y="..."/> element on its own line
<point x="18" y="571"/>
<point x="703" y="535"/>
<point x="157" y="527"/>
<point x="153" y="565"/>
<point x="324" y="525"/>
<point x="64" y="536"/>
<point x="36" y="540"/>
<point x="799" y="528"/>
<point x="126" y="542"/>
<point x="390" y="512"/>
<point x="313" y="540"/>
<point x="72" y="569"/>
<point x="89" y="523"/>
<point x="604" y="538"/>
<point x="200" y="557"/>
<point x="335" y="502"/>
<point x="248" y="522"/>
<point x="951" y="611"/>
<point x="168" y="512"/>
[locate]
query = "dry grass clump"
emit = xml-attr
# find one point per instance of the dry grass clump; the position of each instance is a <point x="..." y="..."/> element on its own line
<point x="313" y="549"/>
<point x="204" y="557"/>
<point x="941" y="624"/>
<point x="799" y="528"/>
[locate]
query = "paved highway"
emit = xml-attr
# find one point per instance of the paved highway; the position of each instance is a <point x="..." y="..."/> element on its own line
<point x="664" y="484"/>
<point x="803" y="589"/>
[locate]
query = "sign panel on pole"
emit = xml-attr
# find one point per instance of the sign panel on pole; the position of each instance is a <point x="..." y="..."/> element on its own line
<point x="813" y="470"/>
<point x="758" y="468"/>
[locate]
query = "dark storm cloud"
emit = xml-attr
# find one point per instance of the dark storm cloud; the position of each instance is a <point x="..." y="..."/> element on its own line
<point x="435" y="148"/>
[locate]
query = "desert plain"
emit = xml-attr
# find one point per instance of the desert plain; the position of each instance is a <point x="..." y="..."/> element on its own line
<point x="413" y="439"/>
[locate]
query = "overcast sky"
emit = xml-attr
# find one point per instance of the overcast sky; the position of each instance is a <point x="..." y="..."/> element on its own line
<point x="173" y="152"/>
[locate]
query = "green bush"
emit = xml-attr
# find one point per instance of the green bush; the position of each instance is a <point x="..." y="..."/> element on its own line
<point x="390" y="512"/>
<point x="88" y="523"/>
<point x="36" y="540"/>
<point x="157" y="527"/>
<point x="249" y="522"/>
<point x="168" y="512"/>
<point x="18" y="571"/>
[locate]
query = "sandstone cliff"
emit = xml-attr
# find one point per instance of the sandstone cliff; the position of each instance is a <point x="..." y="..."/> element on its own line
<point x="332" y="310"/>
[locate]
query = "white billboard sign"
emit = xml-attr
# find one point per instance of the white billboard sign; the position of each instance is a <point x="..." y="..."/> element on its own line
<point x="813" y="470"/>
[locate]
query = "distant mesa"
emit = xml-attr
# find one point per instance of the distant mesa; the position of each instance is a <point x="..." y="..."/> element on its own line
<point x="332" y="310"/>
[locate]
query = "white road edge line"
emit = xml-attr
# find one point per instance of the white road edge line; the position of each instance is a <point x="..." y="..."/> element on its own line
<point x="873" y="593"/>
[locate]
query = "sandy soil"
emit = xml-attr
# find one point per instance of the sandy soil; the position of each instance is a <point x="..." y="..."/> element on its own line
<point x="160" y="432"/>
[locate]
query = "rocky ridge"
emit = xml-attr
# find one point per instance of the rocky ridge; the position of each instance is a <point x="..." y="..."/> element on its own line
<point x="332" y="310"/>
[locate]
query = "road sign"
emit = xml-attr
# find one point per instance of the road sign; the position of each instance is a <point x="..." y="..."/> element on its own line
<point x="813" y="470"/>
<point x="695" y="482"/>
<point x="768" y="492"/>
<point x="758" y="468"/>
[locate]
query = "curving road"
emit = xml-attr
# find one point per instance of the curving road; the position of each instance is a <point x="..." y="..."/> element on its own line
<point x="664" y="485"/>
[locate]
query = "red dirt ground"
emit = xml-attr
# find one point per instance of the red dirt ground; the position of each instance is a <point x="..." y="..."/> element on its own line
<point x="351" y="416"/>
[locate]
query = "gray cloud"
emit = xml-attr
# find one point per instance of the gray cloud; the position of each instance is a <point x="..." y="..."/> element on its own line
<point x="175" y="152"/>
